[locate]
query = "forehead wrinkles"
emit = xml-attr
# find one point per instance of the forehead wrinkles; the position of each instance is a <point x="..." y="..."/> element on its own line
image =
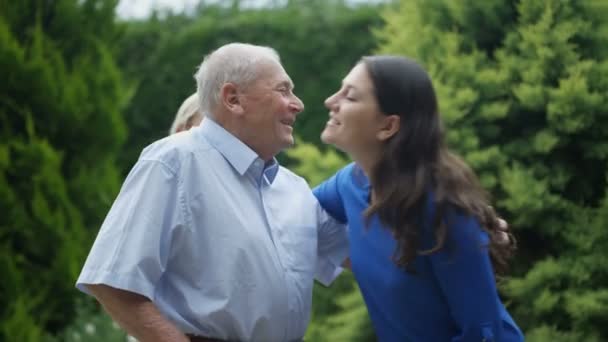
<point x="272" y="74"/>
<point x="281" y="78"/>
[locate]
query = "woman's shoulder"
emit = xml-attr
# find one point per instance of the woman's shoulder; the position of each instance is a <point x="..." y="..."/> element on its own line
<point x="354" y="175"/>
<point x="343" y="175"/>
<point x="348" y="181"/>
<point x="348" y="169"/>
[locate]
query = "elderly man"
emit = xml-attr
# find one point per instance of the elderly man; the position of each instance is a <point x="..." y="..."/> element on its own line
<point x="209" y="238"/>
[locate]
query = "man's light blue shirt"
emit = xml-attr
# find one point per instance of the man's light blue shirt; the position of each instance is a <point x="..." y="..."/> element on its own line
<point x="225" y="245"/>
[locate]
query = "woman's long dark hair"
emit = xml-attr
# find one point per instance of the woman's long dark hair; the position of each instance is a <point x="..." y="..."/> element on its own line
<point x="416" y="160"/>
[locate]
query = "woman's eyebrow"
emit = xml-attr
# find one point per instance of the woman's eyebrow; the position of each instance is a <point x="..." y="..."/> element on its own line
<point x="348" y="86"/>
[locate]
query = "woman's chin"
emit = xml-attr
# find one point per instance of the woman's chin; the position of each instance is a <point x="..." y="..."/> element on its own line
<point x="326" y="137"/>
<point x="329" y="139"/>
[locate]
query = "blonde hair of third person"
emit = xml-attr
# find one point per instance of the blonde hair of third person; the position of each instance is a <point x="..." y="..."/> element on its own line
<point x="188" y="115"/>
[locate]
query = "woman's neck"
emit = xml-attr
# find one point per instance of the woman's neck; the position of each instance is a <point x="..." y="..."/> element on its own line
<point x="366" y="161"/>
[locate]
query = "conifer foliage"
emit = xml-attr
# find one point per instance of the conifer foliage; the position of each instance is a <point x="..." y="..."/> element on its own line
<point x="60" y="100"/>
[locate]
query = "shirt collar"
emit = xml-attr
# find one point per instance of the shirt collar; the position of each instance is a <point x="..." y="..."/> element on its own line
<point x="270" y="169"/>
<point x="239" y="155"/>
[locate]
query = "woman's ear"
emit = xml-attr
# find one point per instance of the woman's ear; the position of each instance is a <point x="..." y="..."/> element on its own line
<point x="230" y="98"/>
<point x="390" y="126"/>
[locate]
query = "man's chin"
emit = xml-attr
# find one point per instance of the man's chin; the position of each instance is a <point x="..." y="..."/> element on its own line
<point x="287" y="143"/>
<point x="290" y="142"/>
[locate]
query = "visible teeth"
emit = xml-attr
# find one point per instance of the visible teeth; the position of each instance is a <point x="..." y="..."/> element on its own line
<point x="333" y="121"/>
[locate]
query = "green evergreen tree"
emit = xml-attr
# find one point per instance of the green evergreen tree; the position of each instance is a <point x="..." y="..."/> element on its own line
<point x="61" y="128"/>
<point x="522" y="88"/>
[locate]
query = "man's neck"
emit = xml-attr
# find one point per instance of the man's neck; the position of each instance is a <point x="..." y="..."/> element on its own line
<point x="234" y="127"/>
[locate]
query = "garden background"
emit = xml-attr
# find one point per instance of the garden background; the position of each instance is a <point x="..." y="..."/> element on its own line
<point x="522" y="86"/>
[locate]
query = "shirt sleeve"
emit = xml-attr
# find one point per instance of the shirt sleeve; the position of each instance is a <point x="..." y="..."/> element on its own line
<point x="466" y="278"/>
<point x="333" y="246"/>
<point x="132" y="246"/>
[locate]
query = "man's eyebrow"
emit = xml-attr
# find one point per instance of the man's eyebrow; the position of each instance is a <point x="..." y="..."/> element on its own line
<point x="288" y="84"/>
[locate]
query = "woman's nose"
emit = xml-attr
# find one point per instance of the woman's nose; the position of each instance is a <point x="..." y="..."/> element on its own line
<point x="329" y="102"/>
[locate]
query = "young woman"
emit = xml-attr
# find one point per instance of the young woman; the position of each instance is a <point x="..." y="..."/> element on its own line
<point x="423" y="238"/>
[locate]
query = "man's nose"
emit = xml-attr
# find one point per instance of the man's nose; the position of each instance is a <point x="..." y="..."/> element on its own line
<point x="297" y="105"/>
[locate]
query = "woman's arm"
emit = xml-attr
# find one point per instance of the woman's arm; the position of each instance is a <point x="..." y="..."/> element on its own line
<point x="465" y="275"/>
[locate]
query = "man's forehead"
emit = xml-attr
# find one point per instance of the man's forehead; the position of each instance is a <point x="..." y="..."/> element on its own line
<point x="278" y="76"/>
<point x="281" y="74"/>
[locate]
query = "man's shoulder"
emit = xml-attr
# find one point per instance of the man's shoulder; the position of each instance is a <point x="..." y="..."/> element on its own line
<point x="292" y="177"/>
<point x="174" y="149"/>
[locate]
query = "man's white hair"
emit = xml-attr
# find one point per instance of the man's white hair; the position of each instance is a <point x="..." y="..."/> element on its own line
<point x="188" y="109"/>
<point x="236" y="63"/>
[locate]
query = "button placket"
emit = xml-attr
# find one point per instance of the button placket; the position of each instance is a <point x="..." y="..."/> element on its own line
<point x="276" y="235"/>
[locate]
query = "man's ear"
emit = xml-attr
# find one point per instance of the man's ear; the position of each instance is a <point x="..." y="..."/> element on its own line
<point x="389" y="127"/>
<point x="229" y="98"/>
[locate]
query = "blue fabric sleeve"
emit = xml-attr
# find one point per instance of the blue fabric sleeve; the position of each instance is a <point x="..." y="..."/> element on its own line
<point x="328" y="194"/>
<point x="465" y="275"/>
<point x="132" y="247"/>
